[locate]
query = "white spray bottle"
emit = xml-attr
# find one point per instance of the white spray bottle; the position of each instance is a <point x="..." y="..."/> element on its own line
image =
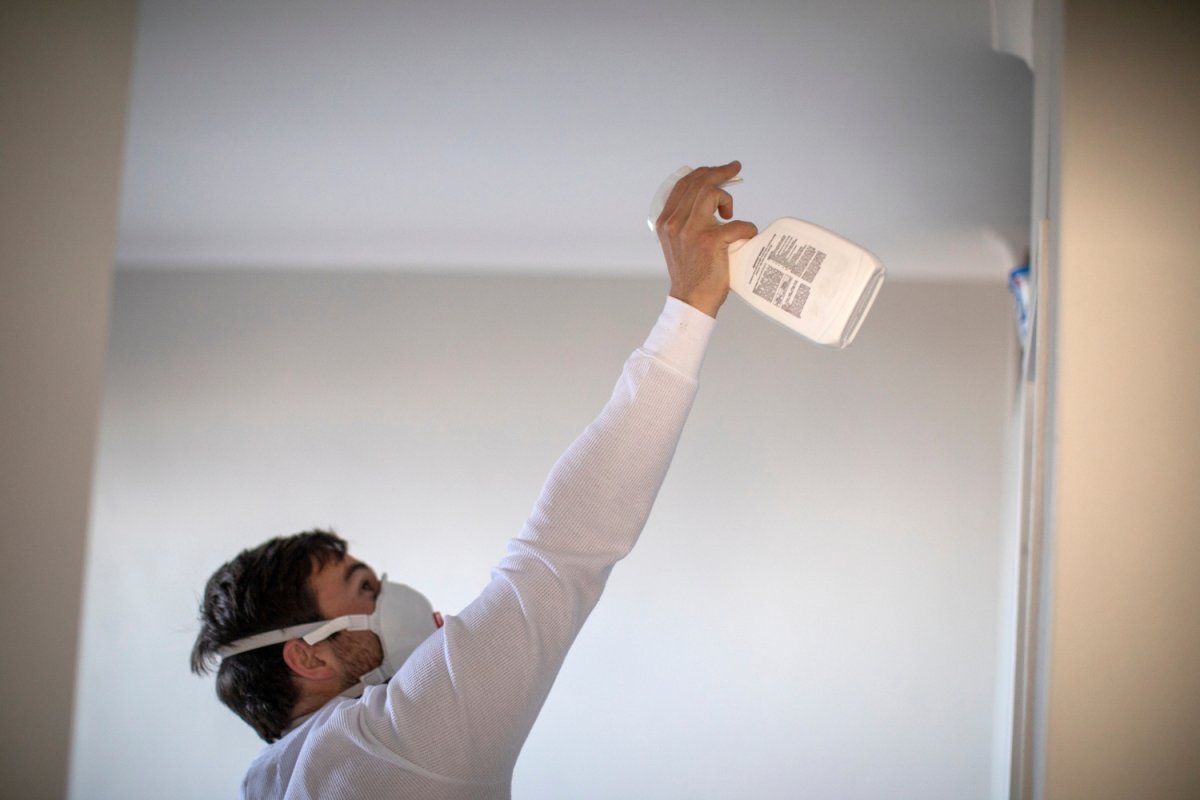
<point x="806" y="278"/>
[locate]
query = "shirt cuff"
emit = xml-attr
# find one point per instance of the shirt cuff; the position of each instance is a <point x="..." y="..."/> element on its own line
<point x="680" y="337"/>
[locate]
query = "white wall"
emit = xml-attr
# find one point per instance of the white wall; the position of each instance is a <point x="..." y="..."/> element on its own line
<point x="64" y="73"/>
<point x="1122" y="709"/>
<point x="273" y="132"/>
<point x="813" y="609"/>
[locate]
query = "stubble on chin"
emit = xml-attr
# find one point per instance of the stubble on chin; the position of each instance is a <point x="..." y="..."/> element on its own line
<point x="359" y="652"/>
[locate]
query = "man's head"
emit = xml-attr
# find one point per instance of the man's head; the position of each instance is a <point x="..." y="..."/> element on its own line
<point x="286" y="581"/>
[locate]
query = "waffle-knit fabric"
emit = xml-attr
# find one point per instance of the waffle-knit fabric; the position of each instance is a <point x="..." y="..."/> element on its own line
<point x="451" y="723"/>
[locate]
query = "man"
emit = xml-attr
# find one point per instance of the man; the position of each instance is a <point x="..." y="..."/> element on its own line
<point x="361" y="689"/>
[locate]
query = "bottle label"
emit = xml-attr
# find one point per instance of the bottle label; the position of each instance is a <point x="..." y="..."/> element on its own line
<point x="784" y="272"/>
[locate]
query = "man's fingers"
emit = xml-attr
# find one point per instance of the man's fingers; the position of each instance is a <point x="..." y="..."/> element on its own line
<point x="707" y="179"/>
<point x="735" y="231"/>
<point x="691" y="187"/>
<point x="723" y="173"/>
<point x="716" y="200"/>
<point x="716" y="175"/>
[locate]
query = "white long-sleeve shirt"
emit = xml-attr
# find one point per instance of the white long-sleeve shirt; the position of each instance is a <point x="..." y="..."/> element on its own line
<point x="451" y="723"/>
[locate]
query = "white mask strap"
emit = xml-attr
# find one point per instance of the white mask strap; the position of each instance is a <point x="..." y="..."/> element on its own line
<point x="358" y="622"/>
<point x="311" y="632"/>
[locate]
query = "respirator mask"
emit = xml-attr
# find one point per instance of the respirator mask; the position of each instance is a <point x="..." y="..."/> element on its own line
<point x="402" y="619"/>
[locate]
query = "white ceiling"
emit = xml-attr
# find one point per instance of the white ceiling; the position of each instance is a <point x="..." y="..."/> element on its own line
<point x="531" y="135"/>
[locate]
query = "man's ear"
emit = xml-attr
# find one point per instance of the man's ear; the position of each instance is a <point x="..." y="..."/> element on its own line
<point x="308" y="660"/>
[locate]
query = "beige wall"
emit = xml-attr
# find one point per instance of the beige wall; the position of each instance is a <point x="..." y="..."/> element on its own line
<point x="64" y="69"/>
<point x="1123" y="713"/>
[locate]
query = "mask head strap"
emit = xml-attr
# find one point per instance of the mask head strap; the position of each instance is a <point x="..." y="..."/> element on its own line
<point x="311" y="632"/>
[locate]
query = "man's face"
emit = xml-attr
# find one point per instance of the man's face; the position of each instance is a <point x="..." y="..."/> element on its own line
<point x="342" y="587"/>
<point x="348" y="586"/>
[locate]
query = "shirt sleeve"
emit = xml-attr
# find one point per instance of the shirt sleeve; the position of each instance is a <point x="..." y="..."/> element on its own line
<point x="463" y="704"/>
<point x="680" y="337"/>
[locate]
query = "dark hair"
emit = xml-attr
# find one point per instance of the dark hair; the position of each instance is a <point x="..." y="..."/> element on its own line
<point x="260" y="590"/>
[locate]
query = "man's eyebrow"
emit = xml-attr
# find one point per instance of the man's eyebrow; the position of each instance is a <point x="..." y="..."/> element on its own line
<point x="353" y="568"/>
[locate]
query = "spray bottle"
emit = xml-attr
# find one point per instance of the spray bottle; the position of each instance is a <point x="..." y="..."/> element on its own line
<point x="806" y="278"/>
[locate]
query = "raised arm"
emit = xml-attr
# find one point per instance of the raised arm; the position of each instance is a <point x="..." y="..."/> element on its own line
<point x="464" y="703"/>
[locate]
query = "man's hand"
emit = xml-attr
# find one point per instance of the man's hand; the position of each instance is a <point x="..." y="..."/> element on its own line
<point x="695" y="243"/>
